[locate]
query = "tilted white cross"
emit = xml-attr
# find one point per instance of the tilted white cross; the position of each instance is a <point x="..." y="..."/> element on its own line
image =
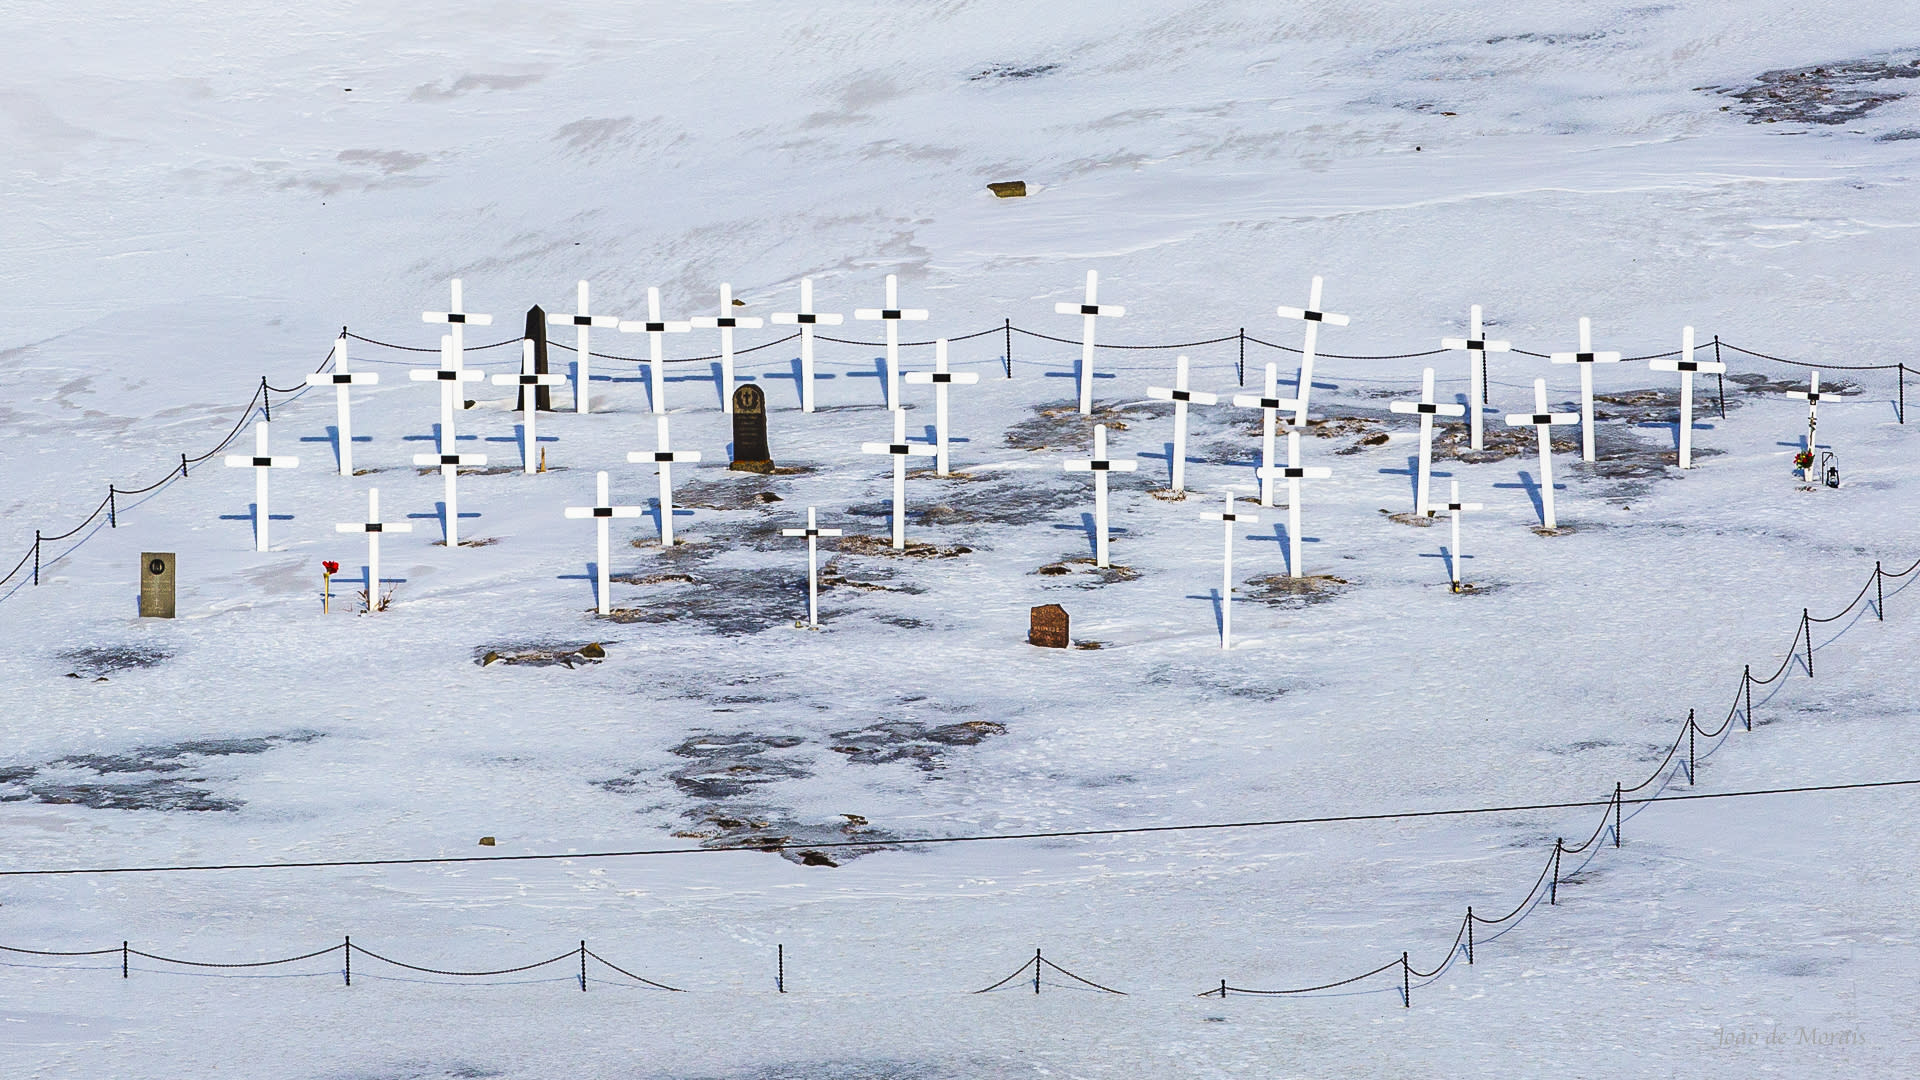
<point x="900" y="449"/>
<point x="1089" y="312"/>
<point x="940" y="378"/>
<point x="1427" y="410"/>
<point x="1181" y="398"/>
<point x="457" y="321"/>
<point x="261" y="462"/>
<point x="664" y="457"/>
<point x="1100" y="465"/>
<point x="1226" y="576"/>
<point x="1268" y="403"/>
<point x="1811" y="395"/>
<point x="1542" y="422"/>
<point x="602" y="512"/>
<point x="1313" y="318"/>
<point x="527" y="380"/>
<point x="582" y="322"/>
<point x="812" y="532"/>
<point x="1477" y="346"/>
<point x="726" y="321"/>
<point x="340" y="378"/>
<point x="1686" y="366"/>
<point x="373" y="527"/>
<point x="449" y="375"/>
<point x="1293" y="473"/>
<point x="654" y="326"/>
<point x="449" y="465"/>
<point x="891" y="315"/>
<point x="1454" y="509"/>
<point x="806" y="319"/>
<point x="1586" y="358"/>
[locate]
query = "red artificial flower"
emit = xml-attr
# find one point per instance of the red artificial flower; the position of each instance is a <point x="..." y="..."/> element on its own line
<point x="330" y="567"/>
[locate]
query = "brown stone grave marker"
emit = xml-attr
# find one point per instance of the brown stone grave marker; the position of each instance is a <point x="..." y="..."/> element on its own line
<point x="1047" y="627"/>
<point x="156" y="584"/>
<point x="750" y="451"/>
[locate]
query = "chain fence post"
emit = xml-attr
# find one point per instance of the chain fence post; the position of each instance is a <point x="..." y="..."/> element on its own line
<point x="183" y="466"/>
<point x="1721" y="376"/>
<point x="1006" y="327"/>
<point x="1903" y="392"/>
<point x="36" y="556"/>
<point x="583" y="965"/>
<point x="780" y="968"/>
<point x="346" y="950"/>
<point x="1879" y="592"/>
<point x="1806" y="624"/>
<point x="123" y="959"/>
<point x="1746" y="684"/>
<point x="113" y="511"/>
<point x="1616" y="813"/>
<point x="1242" y="367"/>
<point x="1406" y="982"/>
<point x="1223" y="989"/>
<point x="266" y="399"/>
<point x="1692" y="764"/>
<point x="1036" y="970"/>
<point x="1469" y="935"/>
<point x="1553" y="890"/>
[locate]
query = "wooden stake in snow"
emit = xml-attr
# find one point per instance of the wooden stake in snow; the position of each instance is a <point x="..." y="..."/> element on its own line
<point x="261" y="462"/>
<point x="1427" y="409"/>
<point x="900" y="449"/>
<point x="527" y="381"/>
<point x="1477" y="346"/>
<point x="1586" y="358"/>
<point x="891" y="315"/>
<point x="940" y="378"/>
<point x="812" y="532"/>
<point x="1313" y="318"/>
<point x="1181" y="398"/>
<point x="1100" y="465"/>
<point x="1542" y="422"/>
<point x="1293" y="473"/>
<point x="373" y="527"/>
<point x="1454" y="509"/>
<point x="340" y="378"/>
<point x="806" y="319"/>
<point x="449" y="375"/>
<point x="1811" y="395"/>
<point x="1686" y="366"/>
<point x="664" y="457"/>
<point x="582" y="322"/>
<point x="602" y="512"/>
<point x="1268" y="403"/>
<point x="1226" y="575"/>
<point x="1089" y="311"/>
<point x="653" y="326"/>
<point x="457" y="321"/>
<point x="726" y="322"/>
<point x="449" y="465"/>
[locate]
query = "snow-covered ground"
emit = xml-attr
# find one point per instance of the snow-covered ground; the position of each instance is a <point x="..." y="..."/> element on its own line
<point x="203" y="196"/>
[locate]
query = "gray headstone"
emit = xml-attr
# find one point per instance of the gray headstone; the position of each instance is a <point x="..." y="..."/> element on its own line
<point x="750" y="450"/>
<point x="537" y="330"/>
<point x="156" y="584"/>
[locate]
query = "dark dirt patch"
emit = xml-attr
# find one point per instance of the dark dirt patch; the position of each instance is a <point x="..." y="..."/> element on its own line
<point x="920" y="745"/>
<point x="733" y="602"/>
<point x="1295" y="591"/>
<point x="862" y="544"/>
<point x="1081" y="573"/>
<point x="540" y="654"/>
<point x="997" y="72"/>
<point x="96" y="660"/>
<point x="1061" y="427"/>
<point x="161" y="777"/>
<point x="1832" y="93"/>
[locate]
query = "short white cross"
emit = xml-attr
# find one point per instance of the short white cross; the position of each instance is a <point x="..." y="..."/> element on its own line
<point x="1542" y="422"/>
<point x="1811" y="395"/>
<point x="891" y="315"/>
<point x="602" y="512"/>
<point x="940" y="378"/>
<point x="726" y="321"/>
<point x="1454" y="509"/>
<point x="1686" y="366"/>
<point x="1089" y="311"/>
<point x="1586" y="358"/>
<point x="457" y="320"/>
<point x="1477" y="346"/>
<point x="449" y="465"/>
<point x="665" y="458"/>
<point x="582" y="322"/>
<point x="1313" y="318"/>
<point x="1181" y="398"/>
<point x="1100" y="465"/>
<point x="1268" y="403"/>
<point x="260" y="461"/>
<point x="449" y="375"/>
<point x="373" y="527"/>
<point x="900" y="449"/>
<point x="1427" y="410"/>
<point x="653" y="326"/>
<point x="340" y="378"/>
<point x="812" y="532"/>
<point x="527" y="380"/>
<point x="806" y="319"/>
<point x="1226" y="577"/>
<point x="1293" y="473"/>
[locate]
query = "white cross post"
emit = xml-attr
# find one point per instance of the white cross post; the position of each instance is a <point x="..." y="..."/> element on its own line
<point x="1089" y="311"/>
<point x="527" y="380"/>
<point x="812" y="532"/>
<point x="941" y="378"/>
<point x="457" y="321"/>
<point x="1100" y="465"/>
<point x="1586" y="358"/>
<point x="653" y="326"/>
<point x="725" y="322"/>
<point x="449" y="375"/>
<point x="891" y="315"/>
<point x="1811" y="395"/>
<point x="1268" y="403"/>
<point x="340" y="378"/>
<point x="602" y="511"/>
<point x="1226" y="577"/>
<point x="806" y="319"/>
<point x="582" y="322"/>
<point x="449" y="465"/>
<point x="1313" y="317"/>
<point x="373" y="527"/>
<point x="1477" y="346"/>
<point x="1427" y="410"/>
<point x="900" y="449"/>
<point x="1686" y="366"/>
<point x="1181" y="398"/>
<point x="665" y="458"/>
<point x="1293" y="473"/>
<point x="1454" y="509"/>
<point x="1542" y="421"/>
<point x="260" y="461"/>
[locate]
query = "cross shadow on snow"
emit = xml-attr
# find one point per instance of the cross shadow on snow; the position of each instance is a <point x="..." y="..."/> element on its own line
<point x="440" y="515"/>
<point x="1412" y="473"/>
<point x="519" y="438"/>
<point x="592" y="577"/>
<point x="1446" y="555"/>
<point x="1532" y="487"/>
<point x="1279" y="538"/>
<point x="797" y="376"/>
<point x="253" y="515"/>
<point x="332" y="438"/>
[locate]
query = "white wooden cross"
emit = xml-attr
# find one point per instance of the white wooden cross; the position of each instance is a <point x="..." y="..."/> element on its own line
<point x="449" y="375"/>
<point x="340" y="378"/>
<point x="261" y="462"/>
<point x="1293" y="473"/>
<point x="1686" y="366"/>
<point x="1100" y="465"/>
<point x="1811" y="395"/>
<point x="457" y="321"/>
<point x="527" y="380"/>
<point x="900" y="449"/>
<point x="1454" y="509"/>
<point x="1226" y="577"/>
<point x="806" y="319"/>
<point x="1542" y="421"/>
<point x="1181" y="398"/>
<point x="1268" y="403"/>
<point x="1313" y="317"/>
<point x="665" y="458"/>
<point x="1586" y="358"/>
<point x="449" y="465"/>
<point x="1477" y="346"/>
<point x="1427" y="410"/>
<point x="373" y="527"/>
<point x="726" y="321"/>
<point x="891" y="315"/>
<point x="812" y="532"/>
<point x="602" y="512"/>
<point x="941" y="378"/>
<point x="653" y="326"/>
<point x="1089" y="311"/>
<point x="582" y="322"/>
